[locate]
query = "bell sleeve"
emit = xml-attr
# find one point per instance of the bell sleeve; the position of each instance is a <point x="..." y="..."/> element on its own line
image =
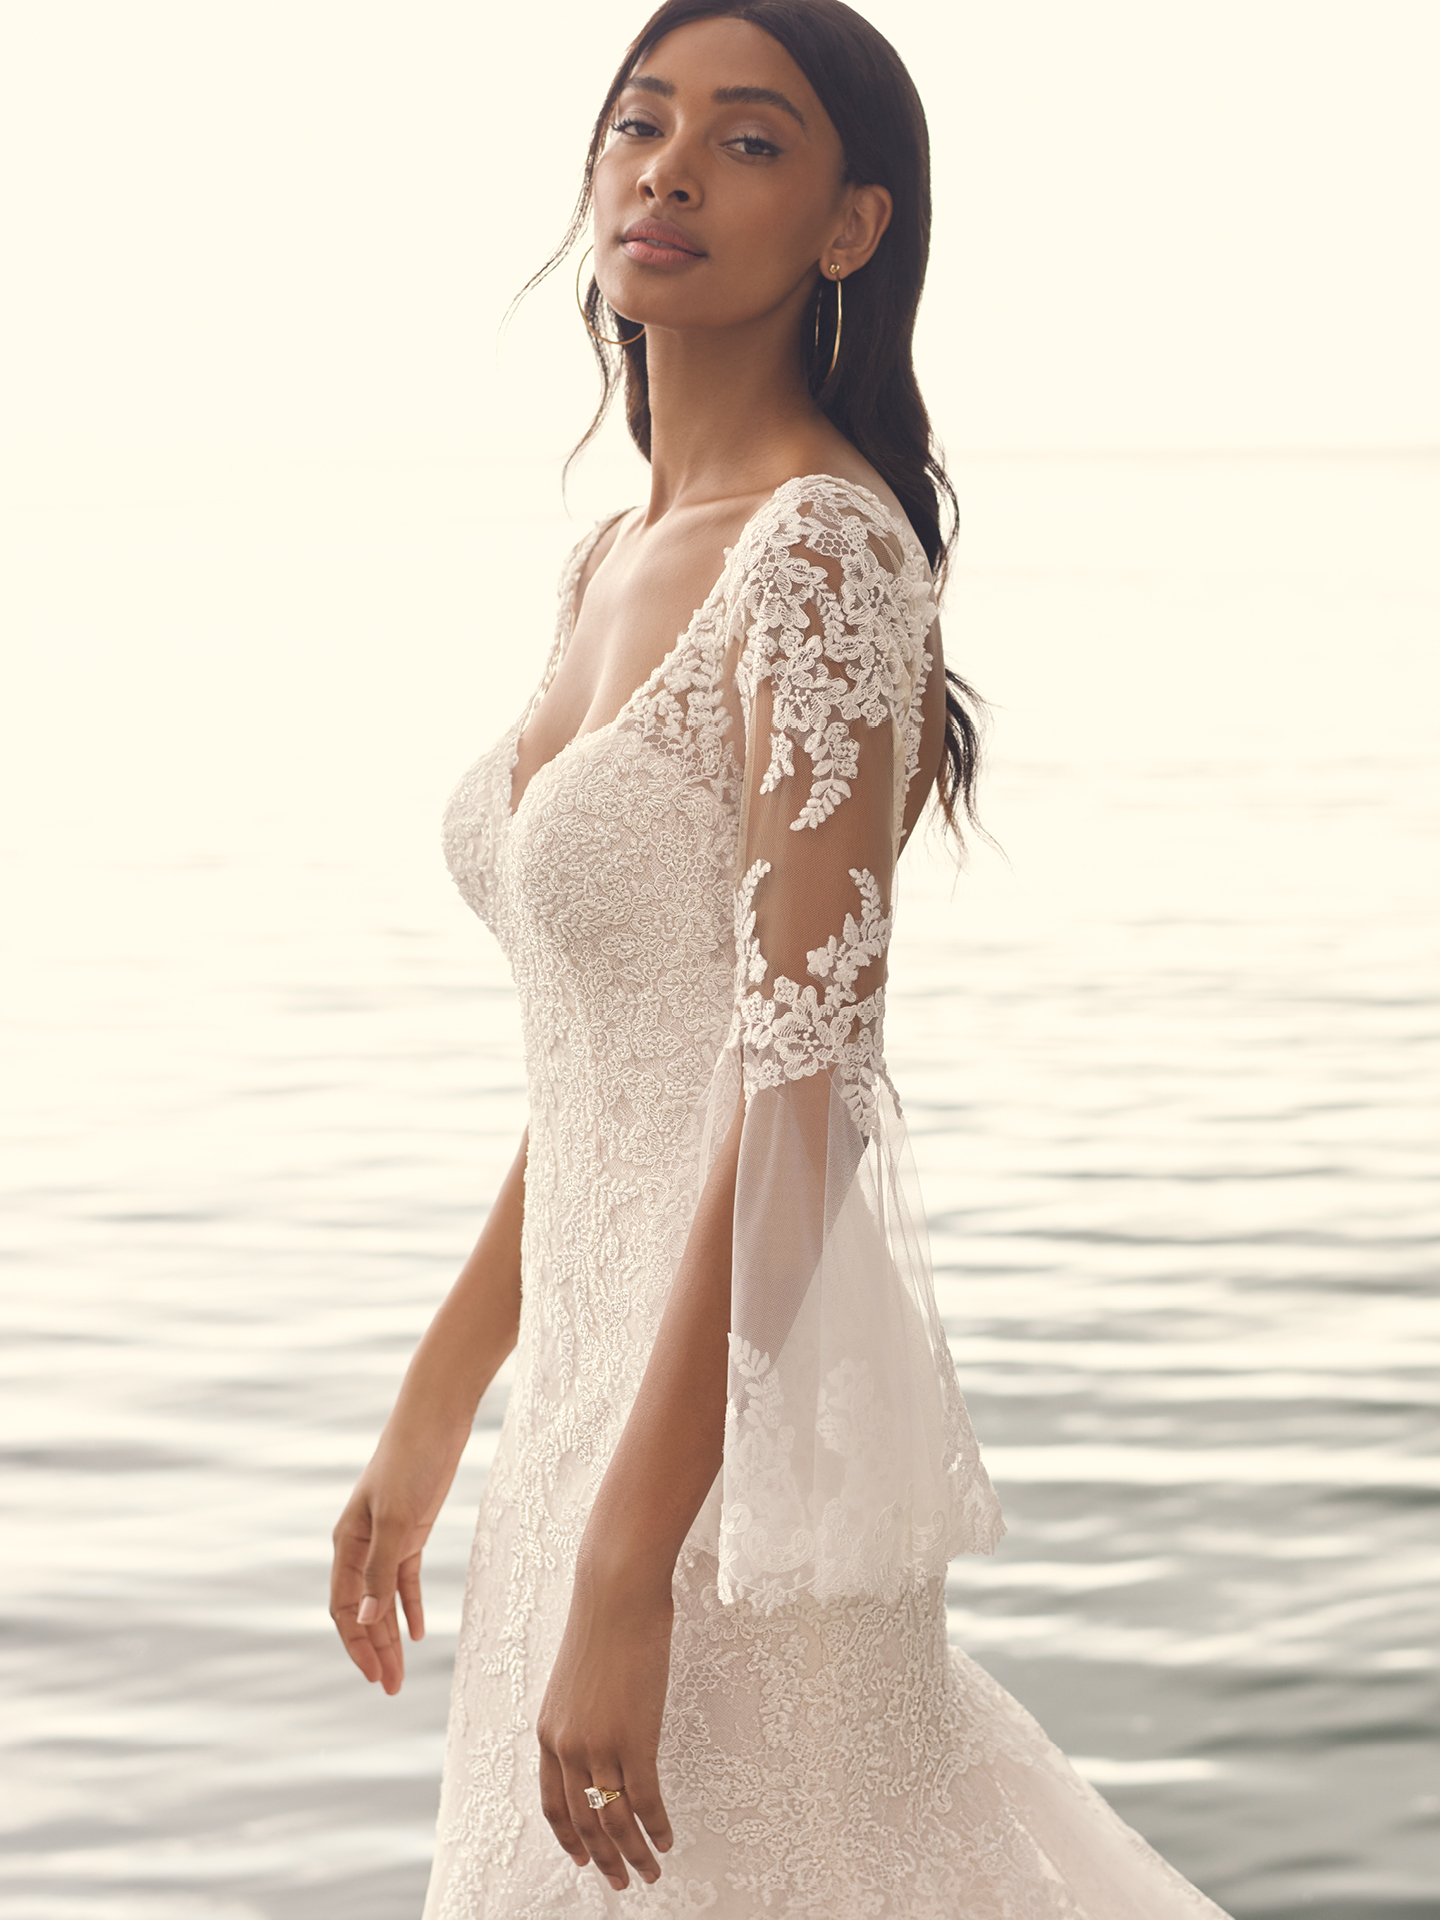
<point x="850" y="1468"/>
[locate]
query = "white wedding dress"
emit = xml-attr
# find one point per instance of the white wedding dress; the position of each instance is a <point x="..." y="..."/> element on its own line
<point x="697" y="898"/>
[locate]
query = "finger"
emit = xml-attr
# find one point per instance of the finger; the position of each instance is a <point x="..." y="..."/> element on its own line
<point x="556" y="1810"/>
<point x="376" y="1612"/>
<point x="382" y="1566"/>
<point x="408" y="1584"/>
<point x="384" y="1636"/>
<point x="596" y="1841"/>
<point x="376" y="1649"/>
<point x="357" y="1643"/>
<point x="347" y="1578"/>
<point x="642" y="1790"/>
<point x="618" y="1820"/>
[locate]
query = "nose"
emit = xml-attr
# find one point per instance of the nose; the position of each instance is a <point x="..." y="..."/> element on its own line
<point x="668" y="180"/>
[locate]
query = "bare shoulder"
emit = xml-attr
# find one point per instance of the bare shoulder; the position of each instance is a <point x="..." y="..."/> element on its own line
<point x="609" y="534"/>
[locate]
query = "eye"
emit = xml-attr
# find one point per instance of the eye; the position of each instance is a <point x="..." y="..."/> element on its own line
<point x="630" y="125"/>
<point x="754" y="147"/>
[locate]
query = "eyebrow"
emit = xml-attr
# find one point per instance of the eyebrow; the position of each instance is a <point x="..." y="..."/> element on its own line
<point x="756" y="97"/>
<point x="722" y="96"/>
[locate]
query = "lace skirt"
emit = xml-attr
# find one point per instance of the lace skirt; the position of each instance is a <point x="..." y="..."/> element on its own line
<point x="828" y="1762"/>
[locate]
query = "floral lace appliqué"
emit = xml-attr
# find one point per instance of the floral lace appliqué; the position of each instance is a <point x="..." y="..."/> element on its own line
<point x="792" y="1032"/>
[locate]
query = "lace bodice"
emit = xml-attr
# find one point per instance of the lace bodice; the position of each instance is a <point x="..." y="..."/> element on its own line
<point x="697" y="900"/>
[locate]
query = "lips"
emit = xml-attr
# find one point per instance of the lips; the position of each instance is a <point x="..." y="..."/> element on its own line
<point x="660" y="233"/>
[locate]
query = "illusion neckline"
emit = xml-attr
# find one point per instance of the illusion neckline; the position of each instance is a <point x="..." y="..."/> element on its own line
<point x="648" y="685"/>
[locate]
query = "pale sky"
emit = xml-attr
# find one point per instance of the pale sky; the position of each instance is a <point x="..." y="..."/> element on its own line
<point x="1160" y="223"/>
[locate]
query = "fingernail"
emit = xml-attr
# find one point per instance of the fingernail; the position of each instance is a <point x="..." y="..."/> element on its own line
<point x="369" y="1611"/>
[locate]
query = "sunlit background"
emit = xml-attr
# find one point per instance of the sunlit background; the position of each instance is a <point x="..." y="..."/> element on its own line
<point x="281" y="523"/>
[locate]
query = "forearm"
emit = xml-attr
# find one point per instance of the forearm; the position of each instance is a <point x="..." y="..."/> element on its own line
<point x="473" y="1332"/>
<point x="671" y="1447"/>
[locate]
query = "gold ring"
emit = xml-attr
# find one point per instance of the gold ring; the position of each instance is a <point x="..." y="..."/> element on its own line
<point x="599" y="1797"/>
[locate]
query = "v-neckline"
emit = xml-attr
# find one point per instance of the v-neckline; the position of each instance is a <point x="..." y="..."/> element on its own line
<point x="646" y="685"/>
<point x="513" y="806"/>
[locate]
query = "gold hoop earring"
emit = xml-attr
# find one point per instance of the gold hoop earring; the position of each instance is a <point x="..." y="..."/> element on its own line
<point x="834" y="270"/>
<point x="585" y="316"/>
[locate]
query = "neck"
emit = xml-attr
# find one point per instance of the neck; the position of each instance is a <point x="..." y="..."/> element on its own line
<point x="730" y="412"/>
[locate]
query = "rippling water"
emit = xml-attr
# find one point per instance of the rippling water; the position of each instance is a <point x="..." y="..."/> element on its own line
<point x="1170" y="1068"/>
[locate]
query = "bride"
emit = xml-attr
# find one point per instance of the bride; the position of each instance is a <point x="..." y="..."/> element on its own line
<point x="704" y="1622"/>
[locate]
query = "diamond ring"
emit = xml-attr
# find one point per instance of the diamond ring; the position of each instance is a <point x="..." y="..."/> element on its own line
<point x="598" y="1797"/>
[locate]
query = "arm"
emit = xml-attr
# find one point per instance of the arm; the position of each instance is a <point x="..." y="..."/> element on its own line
<point x="815" y="858"/>
<point x="381" y="1533"/>
<point x="600" y="1722"/>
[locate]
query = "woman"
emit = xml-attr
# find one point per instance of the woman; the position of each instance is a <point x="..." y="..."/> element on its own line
<point x="704" y="1619"/>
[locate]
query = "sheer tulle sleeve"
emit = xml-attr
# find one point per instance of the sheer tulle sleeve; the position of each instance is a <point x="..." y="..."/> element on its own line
<point x="850" y="1468"/>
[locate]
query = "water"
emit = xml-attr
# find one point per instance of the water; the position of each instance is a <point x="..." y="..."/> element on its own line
<point x="1170" y="1073"/>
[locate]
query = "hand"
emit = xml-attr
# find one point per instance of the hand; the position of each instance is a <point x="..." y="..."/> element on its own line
<point x="378" y="1542"/>
<point x="600" y="1726"/>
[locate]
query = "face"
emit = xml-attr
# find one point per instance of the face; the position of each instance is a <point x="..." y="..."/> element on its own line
<point x="720" y="195"/>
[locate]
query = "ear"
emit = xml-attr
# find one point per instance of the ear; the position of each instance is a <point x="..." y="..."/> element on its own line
<point x="861" y="231"/>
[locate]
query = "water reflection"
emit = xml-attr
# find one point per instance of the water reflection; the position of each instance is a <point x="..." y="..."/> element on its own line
<point x="1169" y="1074"/>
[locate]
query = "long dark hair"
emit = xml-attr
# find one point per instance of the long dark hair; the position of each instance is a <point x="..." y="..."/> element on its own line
<point x="872" y="397"/>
